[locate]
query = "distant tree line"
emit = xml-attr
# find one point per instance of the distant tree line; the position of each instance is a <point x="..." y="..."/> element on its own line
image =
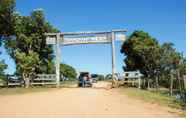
<point x="160" y="64"/>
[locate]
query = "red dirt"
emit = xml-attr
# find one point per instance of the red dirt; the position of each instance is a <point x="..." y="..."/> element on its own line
<point x="78" y="103"/>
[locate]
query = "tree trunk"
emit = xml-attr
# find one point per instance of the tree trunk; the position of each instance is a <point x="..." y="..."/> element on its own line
<point x="157" y="83"/>
<point x="144" y="83"/>
<point x="114" y="82"/>
<point x="171" y="85"/>
<point x="180" y="85"/>
<point x="27" y="81"/>
<point x="148" y="84"/>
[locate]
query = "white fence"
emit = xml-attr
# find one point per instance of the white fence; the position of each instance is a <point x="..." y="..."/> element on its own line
<point x="132" y="77"/>
<point x="43" y="79"/>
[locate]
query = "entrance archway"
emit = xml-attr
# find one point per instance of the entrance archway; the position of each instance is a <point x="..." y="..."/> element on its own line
<point x="78" y="38"/>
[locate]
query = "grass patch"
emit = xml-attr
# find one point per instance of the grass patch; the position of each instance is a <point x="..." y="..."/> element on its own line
<point x="20" y="90"/>
<point x="69" y="83"/>
<point x="154" y="97"/>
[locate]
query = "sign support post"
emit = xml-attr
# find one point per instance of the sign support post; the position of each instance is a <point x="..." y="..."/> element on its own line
<point x="113" y="58"/>
<point x="57" y="64"/>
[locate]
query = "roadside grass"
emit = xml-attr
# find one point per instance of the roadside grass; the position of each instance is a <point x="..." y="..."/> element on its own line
<point x="31" y="89"/>
<point x="154" y="97"/>
<point x="21" y="90"/>
<point x="160" y="98"/>
<point x="71" y="83"/>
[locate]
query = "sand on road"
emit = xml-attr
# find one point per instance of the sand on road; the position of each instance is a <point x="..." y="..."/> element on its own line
<point x="78" y="103"/>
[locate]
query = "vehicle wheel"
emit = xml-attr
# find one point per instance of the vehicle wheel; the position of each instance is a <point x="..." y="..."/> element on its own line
<point x="79" y="84"/>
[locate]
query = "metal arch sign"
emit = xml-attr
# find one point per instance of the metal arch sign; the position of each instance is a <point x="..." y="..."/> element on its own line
<point x="82" y="38"/>
<point x="74" y="38"/>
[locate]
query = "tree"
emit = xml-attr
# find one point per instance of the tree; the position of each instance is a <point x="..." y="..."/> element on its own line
<point x="30" y="44"/>
<point x="6" y="11"/>
<point x="142" y="53"/>
<point x="101" y="77"/>
<point x="68" y="71"/>
<point x="170" y="62"/>
<point x="6" y="20"/>
<point x="3" y="66"/>
<point x="26" y="64"/>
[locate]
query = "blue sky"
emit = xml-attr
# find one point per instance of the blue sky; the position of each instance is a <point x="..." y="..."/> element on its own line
<point x="163" y="19"/>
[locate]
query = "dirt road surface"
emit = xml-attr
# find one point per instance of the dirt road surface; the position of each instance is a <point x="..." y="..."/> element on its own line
<point x="78" y="103"/>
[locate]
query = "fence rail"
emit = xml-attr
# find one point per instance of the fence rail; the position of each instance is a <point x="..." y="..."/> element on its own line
<point x="132" y="77"/>
<point x="39" y="79"/>
<point x="43" y="79"/>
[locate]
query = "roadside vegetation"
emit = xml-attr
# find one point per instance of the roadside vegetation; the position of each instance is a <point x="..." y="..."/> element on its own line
<point x="19" y="90"/>
<point x="161" y="64"/>
<point x="152" y="96"/>
<point x="159" y="98"/>
<point x="23" y="37"/>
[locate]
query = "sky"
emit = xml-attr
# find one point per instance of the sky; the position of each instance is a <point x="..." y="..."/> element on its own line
<point x="164" y="20"/>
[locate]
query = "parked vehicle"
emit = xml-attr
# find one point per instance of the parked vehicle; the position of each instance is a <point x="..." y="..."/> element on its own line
<point x="95" y="78"/>
<point x="84" y="79"/>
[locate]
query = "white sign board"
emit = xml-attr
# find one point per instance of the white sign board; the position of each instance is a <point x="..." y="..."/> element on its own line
<point x="79" y="39"/>
<point x="84" y="39"/>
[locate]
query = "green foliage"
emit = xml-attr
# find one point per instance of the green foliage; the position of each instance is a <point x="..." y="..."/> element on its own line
<point x="101" y="77"/>
<point x="6" y="11"/>
<point x="142" y="53"/>
<point x="30" y="43"/>
<point x="182" y="66"/>
<point x="3" y="66"/>
<point x="68" y="71"/>
<point x="27" y="63"/>
<point x="108" y="77"/>
<point x="6" y="21"/>
<point x="170" y="59"/>
<point x="152" y="97"/>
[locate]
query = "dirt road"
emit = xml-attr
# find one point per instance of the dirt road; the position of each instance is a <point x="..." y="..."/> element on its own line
<point x="78" y="103"/>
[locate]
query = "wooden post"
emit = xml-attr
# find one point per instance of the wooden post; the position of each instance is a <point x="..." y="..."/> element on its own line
<point x="57" y="60"/>
<point x="157" y="83"/>
<point x="171" y="84"/>
<point x="133" y="82"/>
<point x="148" y="84"/>
<point x="184" y="79"/>
<point x="180" y="85"/>
<point x="139" y="82"/>
<point x="113" y="58"/>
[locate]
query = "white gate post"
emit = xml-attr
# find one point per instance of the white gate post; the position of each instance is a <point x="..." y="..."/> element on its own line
<point x="57" y="60"/>
<point x="113" y="55"/>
